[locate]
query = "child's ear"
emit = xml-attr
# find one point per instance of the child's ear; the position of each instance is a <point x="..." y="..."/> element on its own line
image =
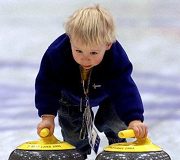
<point x="108" y="46"/>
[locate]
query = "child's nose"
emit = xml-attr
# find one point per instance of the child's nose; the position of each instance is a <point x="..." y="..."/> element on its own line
<point x="86" y="57"/>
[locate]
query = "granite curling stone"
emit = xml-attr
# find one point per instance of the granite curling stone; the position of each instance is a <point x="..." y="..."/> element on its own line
<point x="46" y="148"/>
<point x="136" y="150"/>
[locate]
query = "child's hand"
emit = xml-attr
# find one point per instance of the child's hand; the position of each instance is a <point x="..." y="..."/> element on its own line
<point x="140" y="129"/>
<point x="47" y="122"/>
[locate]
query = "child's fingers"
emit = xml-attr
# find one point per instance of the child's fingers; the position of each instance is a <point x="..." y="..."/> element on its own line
<point x="141" y="131"/>
<point x="136" y="131"/>
<point x="40" y="127"/>
<point x="45" y="124"/>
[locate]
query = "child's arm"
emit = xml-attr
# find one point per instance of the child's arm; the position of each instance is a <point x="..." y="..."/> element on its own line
<point x="140" y="129"/>
<point x="47" y="121"/>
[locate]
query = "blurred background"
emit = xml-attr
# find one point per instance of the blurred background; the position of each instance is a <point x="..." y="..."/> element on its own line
<point x="149" y="31"/>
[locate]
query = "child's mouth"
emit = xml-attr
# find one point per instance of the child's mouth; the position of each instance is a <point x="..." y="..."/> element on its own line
<point x="87" y="67"/>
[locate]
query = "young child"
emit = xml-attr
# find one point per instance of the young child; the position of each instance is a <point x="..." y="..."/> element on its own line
<point x="87" y="67"/>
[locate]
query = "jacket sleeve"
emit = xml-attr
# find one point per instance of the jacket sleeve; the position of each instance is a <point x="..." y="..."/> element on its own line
<point x="122" y="89"/>
<point x="47" y="89"/>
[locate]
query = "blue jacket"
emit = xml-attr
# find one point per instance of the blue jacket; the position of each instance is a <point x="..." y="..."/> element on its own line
<point x="59" y="73"/>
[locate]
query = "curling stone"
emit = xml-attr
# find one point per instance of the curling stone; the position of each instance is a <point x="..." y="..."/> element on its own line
<point x="140" y="149"/>
<point x="46" y="148"/>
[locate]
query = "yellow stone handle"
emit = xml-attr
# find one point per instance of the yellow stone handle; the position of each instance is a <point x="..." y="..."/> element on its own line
<point x="129" y="133"/>
<point x="44" y="132"/>
<point x="46" y="139"/>
<point x="137" y="145"/>
<point x="46" y="142"/>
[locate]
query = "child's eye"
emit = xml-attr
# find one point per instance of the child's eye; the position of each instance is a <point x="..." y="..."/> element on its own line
<point x="93" y="53"/>
<point x="78" y="51"/>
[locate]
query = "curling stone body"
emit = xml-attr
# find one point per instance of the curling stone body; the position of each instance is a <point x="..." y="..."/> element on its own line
<point x="137" y="150"/>
<point x="19" y="154"/>
<point x="158" y="155"/>
<point x="46" y="148"/>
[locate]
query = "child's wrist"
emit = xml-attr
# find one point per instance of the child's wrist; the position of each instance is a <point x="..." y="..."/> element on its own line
<point x="47" y="116"/>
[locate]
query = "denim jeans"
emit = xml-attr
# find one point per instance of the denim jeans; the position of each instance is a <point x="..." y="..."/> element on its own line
<point x="106" y="120"/>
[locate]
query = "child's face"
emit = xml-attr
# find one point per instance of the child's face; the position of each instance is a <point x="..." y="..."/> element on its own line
<point x="88" y="56"/>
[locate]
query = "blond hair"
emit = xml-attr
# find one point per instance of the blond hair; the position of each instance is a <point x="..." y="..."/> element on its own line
<point x="91" y="25"/>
